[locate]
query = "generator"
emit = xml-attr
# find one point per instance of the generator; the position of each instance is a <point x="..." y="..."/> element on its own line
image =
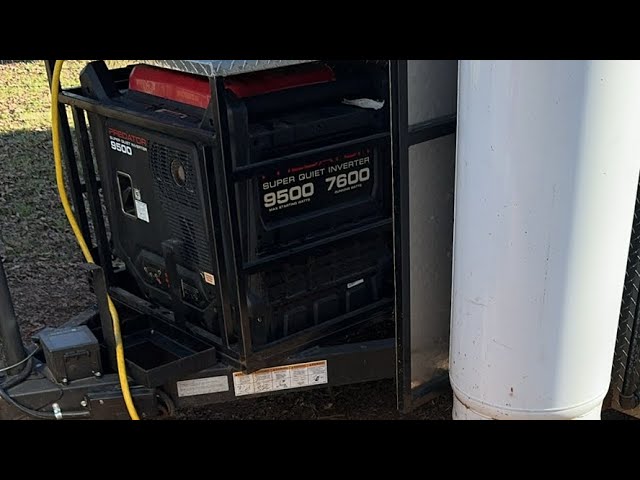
<point x="263" y="230"/>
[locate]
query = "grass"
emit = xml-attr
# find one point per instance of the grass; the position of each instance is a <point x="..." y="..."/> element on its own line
<point x="28" y="194"/>
<point x="27" y="189"/>
<point x="24" y="93"/>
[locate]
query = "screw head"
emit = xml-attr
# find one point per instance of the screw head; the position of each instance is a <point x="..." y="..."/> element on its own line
<point x="65" y="381"/>
<point x="101" y="402"/>
<point x="83" y="403"/>
<point x="98" y="374"/>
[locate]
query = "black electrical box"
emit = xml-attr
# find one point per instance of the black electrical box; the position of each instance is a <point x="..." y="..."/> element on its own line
<point x="71" y="353"/>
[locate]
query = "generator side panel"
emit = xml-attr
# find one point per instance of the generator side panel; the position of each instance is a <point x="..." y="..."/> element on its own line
<point x="153" y="190"/>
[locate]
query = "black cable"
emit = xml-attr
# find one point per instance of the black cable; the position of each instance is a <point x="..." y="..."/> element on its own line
<point x="32" y="413"/>
<point x="15" y="380"/>
<point x="24" y="360"/>
<point x="19" y="378"/>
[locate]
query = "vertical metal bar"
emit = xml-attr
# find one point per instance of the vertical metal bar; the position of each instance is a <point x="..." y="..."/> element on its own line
<point x="9" y="329"/>
<point x="226" y="323"/>
<point x="49" y="66"/>
<point x="401" y="216"/>
<point x="70" y="163"/>
<point x="227" y="204"/>
<point x="76" y="187"/>
<point x="91" y="184"/>
<point x="73" y="175"/>
<point x="100" y="290"/>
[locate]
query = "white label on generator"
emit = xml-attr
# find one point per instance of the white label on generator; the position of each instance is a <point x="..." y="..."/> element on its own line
<point x="202" y="386"/>
<point x="141" y="211"/>
<point x="356" y="283"/>
<point x="281" y="378"/>
<point x="209" y="278"/>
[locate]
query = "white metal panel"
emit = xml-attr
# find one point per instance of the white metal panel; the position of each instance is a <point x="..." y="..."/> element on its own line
<point x="431" y="180"/>
<point x="547" y="167"/>
<point x="431" y="89"/>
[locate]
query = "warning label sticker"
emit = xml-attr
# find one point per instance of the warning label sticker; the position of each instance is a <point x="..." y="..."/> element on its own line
<point x="202" y="386"/>
<point x="281" y="378"/>
<point x="141" y="211"/>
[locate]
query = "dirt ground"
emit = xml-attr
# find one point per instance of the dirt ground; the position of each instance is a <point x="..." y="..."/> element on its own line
<point x="43" y="262"/>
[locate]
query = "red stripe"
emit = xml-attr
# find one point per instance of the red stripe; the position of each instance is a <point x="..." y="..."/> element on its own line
<point x="177" y="86"/>
<point x="269" y="81"/>
<point x="195" y="90"/>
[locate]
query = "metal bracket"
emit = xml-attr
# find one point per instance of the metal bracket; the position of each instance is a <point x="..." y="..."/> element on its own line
<point x="169" y="249"/>
<point x="99" y="284"/>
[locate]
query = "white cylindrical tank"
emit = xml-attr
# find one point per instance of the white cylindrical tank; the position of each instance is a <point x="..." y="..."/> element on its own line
<point x="548" y="156"/>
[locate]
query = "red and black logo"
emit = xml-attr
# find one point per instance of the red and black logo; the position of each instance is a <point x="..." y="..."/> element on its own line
<point x="128" y="136"/>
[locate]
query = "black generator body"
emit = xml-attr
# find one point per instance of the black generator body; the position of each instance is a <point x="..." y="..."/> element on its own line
<point x="261" y="217"/>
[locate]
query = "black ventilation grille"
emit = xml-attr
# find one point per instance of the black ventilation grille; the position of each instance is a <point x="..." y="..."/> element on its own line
<point x="326" y="266"/>
<point x="307" y="291"/>
<point x="180" y="204"/>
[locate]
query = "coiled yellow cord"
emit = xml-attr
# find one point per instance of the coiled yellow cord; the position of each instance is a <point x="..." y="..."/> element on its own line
<point x="57" y="155"/>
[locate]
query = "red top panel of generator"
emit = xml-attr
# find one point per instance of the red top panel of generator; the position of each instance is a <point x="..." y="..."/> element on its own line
<point x="194" y="90"/>
<point x="176" y="86"/>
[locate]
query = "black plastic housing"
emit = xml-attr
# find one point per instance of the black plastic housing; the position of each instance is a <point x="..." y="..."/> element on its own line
<point x="256" y="278"/>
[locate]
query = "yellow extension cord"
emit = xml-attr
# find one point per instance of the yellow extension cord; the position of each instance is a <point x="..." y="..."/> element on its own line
<point x="57" y="155"/>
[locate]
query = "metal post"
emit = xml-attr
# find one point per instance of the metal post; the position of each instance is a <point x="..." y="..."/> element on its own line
<point x="9" y="330"/>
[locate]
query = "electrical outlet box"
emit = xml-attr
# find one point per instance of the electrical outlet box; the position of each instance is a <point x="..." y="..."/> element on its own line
<point x="71" y="353"/>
